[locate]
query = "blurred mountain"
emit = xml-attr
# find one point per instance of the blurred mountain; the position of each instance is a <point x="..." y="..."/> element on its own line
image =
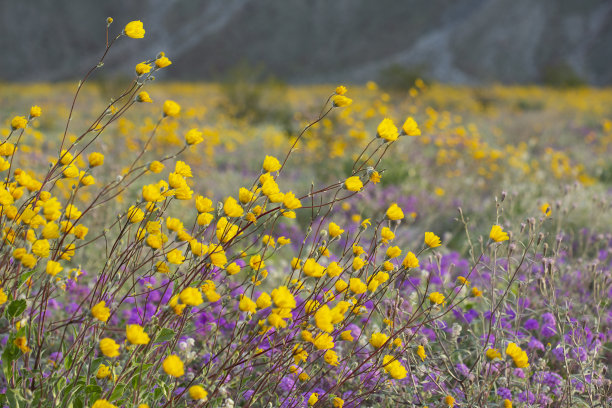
<point x="300" y="41"/>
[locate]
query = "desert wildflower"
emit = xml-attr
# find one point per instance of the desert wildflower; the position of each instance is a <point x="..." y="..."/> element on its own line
<point x="507" y="403"/>
<point x="142" y="68"/>
<point x="19" y="122"/>
<point x="197" y="392"/>
<point x="314" y="397"/>
<point x="421" y="353"/>
<point x="357" y="286"/>
<point x="331" y="357"/>
<point x="109" y="347"/>
<point x="353" y="184"/>
<point x="171" y="108"/>
<point x="410" y="127"/>
<point x="340" y="90"/>
<point x="173" y="366"/>
<point x="449" y="401"/>
<point x="497" y="234"/>
<point x="394" y="367"/>
<point x="103" y="371"/>
<point x="340" y="101"/>
<point x="546" y="209"/>
<point x="53" y="268"/>
<point x="136" y="335"/>
<point x="476" y="292"/>
<point x="375" y="177"/>
<point x="291" y="202"/>
<point x="410" y="261"/>
<point x="323" y="341"/>
<point x="378" y="339"/>
<point x="518" y="355"/>
<point x="247" y="305"/>
<point x="271" y="164"/>
<point x="102" y="403"/>
<point x="162" y="62"/>
<point x="22" y="344"/>
<point x="432" y="240"/>
<point x="492" y="354"/>
<point x="134" y="29"/>
<point x="387" y="130"/>
<point x="193" y="137"/>
<point x="335" y="230"/>
<point x="338" y="402"/>
<point x="3" y="296"/>
<point x="144" y="96"/>
<point x="191" y="296"/>
<point x="35" y="111"/>
<point x="100" y="311"/>
<point x="358" y="263"/>
<point x="394" y="212"/>
<point x="463" y="280"/>
<point x="95" y="159"/>
<point x="156" y="166"/>
<point x="436" y="298"/>
<point x="232" y="208"/>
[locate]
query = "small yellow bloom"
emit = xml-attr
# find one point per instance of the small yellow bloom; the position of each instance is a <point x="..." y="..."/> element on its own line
<point x="19" y="122"/>
<point x="378" y="339"/>
<point x="353" y="184"/>
<point x="518" y="355"/>
<point x="191" y="296"/>
<point x="35" y="111"/>
<point x="314" y="397"/>
<point x="432" y="240"/>
<point x="449" y="401"/>
<point x="410" y="261"/>
<point x="193" y="137"/>
<point x="436" y="298"/>
<point x="546" y="209"/>
<point x="476" y="292"/>
<point x="271" y="164"/>
<point x="156" y="166"/>
<point x="340" y="90"/>
<point x="340" y="101"/>
<point x="421" y="353"/>
<point x="171" y="108"/>
<point x="53" y="268"/>
<point x="100" y="311"/>
<point x="109" y="347"/>
<point x="136" y="335"/>
<point x="134" y="29"/>
<point x="410" y="127"/>
<point x="197" y="392"/>
<point x="142" y="68"/>
<point x="173" y="366"/>
<point x="394" y="212"/>
<point x="387" y="130"/>
<point x="492" y="354"/>
<point x="162" y="62"/>
<point x="144" y="96"/>
<point x="497" y="234"/>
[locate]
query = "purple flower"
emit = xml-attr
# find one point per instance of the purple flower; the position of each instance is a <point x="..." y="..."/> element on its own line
<point x="526" y="396"/>
<point x="548" y="331"/>
<point x="531" y="324"/>
<point x="504" y="393"/>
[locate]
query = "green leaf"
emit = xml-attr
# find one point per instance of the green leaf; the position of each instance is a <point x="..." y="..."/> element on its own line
<point x="164" y="335"/>
<point x="93" y="391"/>
<point x="16" y="308"/>
<point x="13" y="398"/>
<point x="118" y="392"/>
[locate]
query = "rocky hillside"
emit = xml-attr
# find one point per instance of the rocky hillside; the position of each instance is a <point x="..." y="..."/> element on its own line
<point x="461" y="41"/>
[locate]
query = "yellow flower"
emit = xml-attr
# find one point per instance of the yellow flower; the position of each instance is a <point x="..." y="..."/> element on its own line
<point x="410" y="127"/>
<point x="492" y="354"/>
<point x="103" y="371"/>
<point x="463" y="280"/>
<point x="323" y="341"/>
<point x="29" y="261"/>
<point x="3" y="297"/>
<point x="22" y="343"/>
<point x="109" y="347"/>
<point x="335" y="230"/>
<point x="386" y="235"/>
<point x="232" y="208"/>
<point x="163" y="62"/>
<point x="263" y="301"/>
<point x="546" y="209"/>
<point x="135" y="214"/>
<point x="375" y="177"/>
<point x="497" y="234"/>
<point x="507" y="403"/>
<point x="449" y="401"/>
<point x="338" y="402"/>
<point x="142" y="68"/>
<point x="387" y="130"/>
<point x="71" y="171"/>
<point x="247" y="305"/>
<point x="41" y="248"/>
<point x="175" y="257"/>
<point x="353" y="184"/>
<point x="19" y="122"/>
<point x="394" y="212"/>
<point x="378" y="339"/>
<point x="171" y="108"/>
<point x="136" y="335"/>
<point x="340" y="90"/>
<point x="144" y="96"/>
<point x="232" y="268"/>
<point x="432" y="240"/>
<point x="340" y="101"/>
<point x="134" y="29"/>
<point x="102" y="403"/>
<point x="436" y="298"/>
<point x="314" y="397"/>
<point x="393" y="252"/>
<point x="358" y="263"/>
<point x="283" y="298"/>
<point x="357" y="286"/>
<point x="96" y="159"/>
<point x="518" y="355"/>
<point x="197" y="392"/>
<point x="193" y="137"/>
<point x="333" y="270"/>
<point x="271" y="164"/>
<point x="476" y="292"/>
<point x="156" y="166"/>
<point x="100" y="311"/>
<point x="35" y="111"/>
<point x="421" y="353"/>
<point x="346" y="335"/>
<point x="291" y="202"/>
<point x="410" y="261"/>
<point x="173" y="366"/>
<point x="191" y="296"/>
<point x="53" y="268"/>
